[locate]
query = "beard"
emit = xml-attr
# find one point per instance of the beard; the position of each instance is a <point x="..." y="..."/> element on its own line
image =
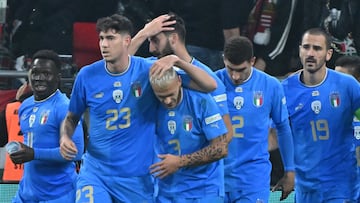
<point x="312" y="65"/>
<point x="167" y="50"/>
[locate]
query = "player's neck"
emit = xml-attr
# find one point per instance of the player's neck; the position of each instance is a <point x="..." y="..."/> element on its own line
<point x="183" y="54"/>
<point x="313" y="78"/>
<point x="180" y="96"/>
<point x="119" y="66"/>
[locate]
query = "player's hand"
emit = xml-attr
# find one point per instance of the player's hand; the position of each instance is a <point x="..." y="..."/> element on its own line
<point x="68" y="148"/>
<point x="25" y="154"/>
<point x="167" y="166"/>
<point x="159" y="24"/>
<point x="163" y="64"/>
<point x="285" y="184"/>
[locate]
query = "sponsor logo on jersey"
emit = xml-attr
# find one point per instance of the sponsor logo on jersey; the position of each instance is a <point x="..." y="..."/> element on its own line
<point x="99" y="95"/>
<point x="171" y="113"/>
<point x="212" y="119"/>
<point x="117" y="84"/>
<point x="238" y="89"/>
<point x="32" y="120"/>
<point x="315" y="93"/>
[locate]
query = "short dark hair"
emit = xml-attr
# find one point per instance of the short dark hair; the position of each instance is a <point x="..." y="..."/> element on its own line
<point x="319" y="31"/>
<point x="49" y="55"/>
<point x="179" y="26"/>
<point x="119" y="23"/>
<point x="350" y="62"/>
<point x="238" y="49"/>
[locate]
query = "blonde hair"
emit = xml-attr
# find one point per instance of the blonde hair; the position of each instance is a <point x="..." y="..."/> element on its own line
<point x="165" y="80"/>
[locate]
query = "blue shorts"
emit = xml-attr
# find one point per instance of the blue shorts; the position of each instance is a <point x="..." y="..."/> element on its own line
<point x="68" y="197"/>
<point x="337" y="194"/>
<point x="212" y="199"/>
<point x="93" y="187"/>
<point x="247" y="197"/>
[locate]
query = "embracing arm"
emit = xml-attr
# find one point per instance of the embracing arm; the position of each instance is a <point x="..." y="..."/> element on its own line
<point x="227" y="121"/>
<point x="217" y="149"/>
<point x="200" y="79"/>
<point x="169" y="163"/>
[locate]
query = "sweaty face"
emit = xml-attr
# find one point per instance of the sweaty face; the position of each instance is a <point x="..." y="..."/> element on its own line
<point x="313" y="52"/>
<point x="169" y="96"/>
<point x="44" y="78"/>
<point x="238" y="73"/>
<point x="113" y="45"/>
<point x="159" y="45"/>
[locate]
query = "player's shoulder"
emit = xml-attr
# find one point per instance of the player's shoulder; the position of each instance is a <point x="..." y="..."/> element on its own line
<point x="291" y="78"/>
<point x="221" y="73"/>
<point x="62" y="98"/>
<point x="26" y="103"/>
<point x="265" y="76"/>
<point x="197" y="97"/>
<point x="194" y="94"/>
<point x="92" y="69"/>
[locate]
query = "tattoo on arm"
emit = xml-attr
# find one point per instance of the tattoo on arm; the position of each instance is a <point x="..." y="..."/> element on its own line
<point x="217" y="149"/>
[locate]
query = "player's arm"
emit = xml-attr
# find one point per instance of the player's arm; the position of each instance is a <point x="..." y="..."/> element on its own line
<point x="285" y="141"/>
<point x="150" y="29"/>
<point x="228" y="125"/>
<point x="200" y="79"/>
<point x="68" y="148"/>
<point x="217" y="149"/>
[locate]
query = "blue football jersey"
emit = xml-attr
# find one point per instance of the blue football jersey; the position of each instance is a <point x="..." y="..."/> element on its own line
<point x="252" y="105"/>
<point x="48" y="176"/>
<point x="121" y="109"/>
<point x="321" y="118"/>
<point x="186" y="129"/>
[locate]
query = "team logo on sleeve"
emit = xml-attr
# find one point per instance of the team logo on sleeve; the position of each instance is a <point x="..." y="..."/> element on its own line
<point x="335" y="99"/>
<point x="44" y="117"/>
<point x="316" y="106"/>
<point x="212" y="119"/>
<point x="172" y="126"/>
<point x="136" y="89"/>
<point x="187" y="123"/>
<point x="238" y="102"/>
<point x="99" y="95"/>
<point x="258" y="98"/>
<point x="117" y="96"/>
